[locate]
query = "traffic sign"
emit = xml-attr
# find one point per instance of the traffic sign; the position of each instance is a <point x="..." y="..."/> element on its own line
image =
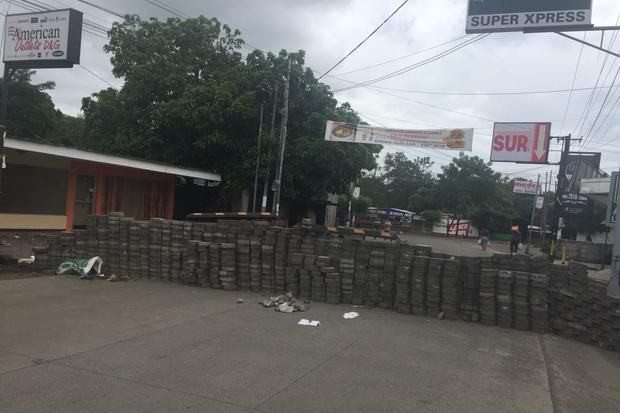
<point x="490" y="16"/>
<point x="521" y="142"/>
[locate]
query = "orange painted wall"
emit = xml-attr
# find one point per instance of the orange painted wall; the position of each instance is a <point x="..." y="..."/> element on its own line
<point x="101" y="171"/>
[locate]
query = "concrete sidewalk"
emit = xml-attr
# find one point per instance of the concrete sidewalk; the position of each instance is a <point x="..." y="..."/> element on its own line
<point x="69" y="345"/>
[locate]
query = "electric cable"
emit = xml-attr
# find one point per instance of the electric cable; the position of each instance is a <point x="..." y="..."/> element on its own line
<point x="364" y="41"/>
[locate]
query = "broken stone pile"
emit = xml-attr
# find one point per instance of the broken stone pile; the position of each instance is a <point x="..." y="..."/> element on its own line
<point x="509" y="291"/>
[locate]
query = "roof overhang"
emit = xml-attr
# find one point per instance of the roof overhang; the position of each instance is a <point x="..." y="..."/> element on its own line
<point x="80" y="154"/>
<point x="596" y="189"/>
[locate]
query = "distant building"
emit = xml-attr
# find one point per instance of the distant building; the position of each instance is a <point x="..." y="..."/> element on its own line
<point x="50" y="187"/>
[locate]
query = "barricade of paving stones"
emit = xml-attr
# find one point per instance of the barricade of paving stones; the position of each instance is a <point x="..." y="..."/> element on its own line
<point x="518" y="291"/>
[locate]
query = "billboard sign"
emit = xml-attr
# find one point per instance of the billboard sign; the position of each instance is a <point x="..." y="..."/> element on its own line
<point x="522" y="186"/>
<point x="525" y="142"/>
<point x="445" y="139"/>
<point x="48" y="39"/>
<point x="574" y="203"/>
<point x="490" y="16"/>
<point x="581" y="165"/>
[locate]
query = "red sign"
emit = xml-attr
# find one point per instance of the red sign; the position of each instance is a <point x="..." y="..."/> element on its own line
<point x="521" y="142"/>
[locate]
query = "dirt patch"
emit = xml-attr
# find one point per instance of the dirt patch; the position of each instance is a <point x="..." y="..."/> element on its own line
<point x="19" y="244"/>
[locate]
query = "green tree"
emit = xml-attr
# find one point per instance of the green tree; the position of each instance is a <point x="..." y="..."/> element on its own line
<point x="424" y="199"/>
<point x="403" y="177"/>
<point x="469" y="188"/>
<point x="431" y="216"/>
<point x="190" y="98"/>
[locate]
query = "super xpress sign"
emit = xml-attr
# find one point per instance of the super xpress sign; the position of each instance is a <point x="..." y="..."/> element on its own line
<point x="488" y="16"/>
<point x="46" y="39"/>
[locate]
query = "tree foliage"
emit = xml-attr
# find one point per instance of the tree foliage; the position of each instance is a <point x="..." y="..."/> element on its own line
<point x="190" y="98"/>
<point x="31" y="113"/>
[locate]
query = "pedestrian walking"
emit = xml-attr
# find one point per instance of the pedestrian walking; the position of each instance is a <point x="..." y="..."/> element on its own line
<point x="515" y="239"/>
<point x="484" y="239"/>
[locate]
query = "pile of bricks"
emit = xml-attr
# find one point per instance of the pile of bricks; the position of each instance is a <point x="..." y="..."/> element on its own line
<point x="450" y="287"/>
<point x="504" y="298"/>
<point x="403" y="281"/>
<point x="433" y="286"/>
<point x="418" y="284"/>
<point x="488" y="297"/>
<point x="521" y="300"/>
<point x="510" y="291"/>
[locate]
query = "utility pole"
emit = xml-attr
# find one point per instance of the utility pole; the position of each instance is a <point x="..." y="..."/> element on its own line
<point x="260" y="133"/>
<point x="558" y="210"/>
<point x="263" y="207"/>
<point x="278" y="181"/>
<point x="529" y="237"/>
<point x="4" y="104"/>
<point x="543" y="218"/>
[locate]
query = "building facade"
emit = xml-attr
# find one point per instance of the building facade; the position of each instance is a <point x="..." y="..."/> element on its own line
<point x="50" y="187"/>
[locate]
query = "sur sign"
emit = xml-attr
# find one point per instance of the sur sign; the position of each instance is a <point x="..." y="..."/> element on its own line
<point x="521" y="142"/>
<point x="489" y="16"/>
<point x="48" y="39"/>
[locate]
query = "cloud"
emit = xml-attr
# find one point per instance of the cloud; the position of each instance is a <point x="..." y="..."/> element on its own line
<point x="327" y="30"/>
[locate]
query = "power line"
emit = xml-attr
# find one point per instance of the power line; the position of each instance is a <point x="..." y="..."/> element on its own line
<point x="400" y="58"/>
<point x="415" y="65"/>
<point x="570" y="96"/>
<point x="594" y="94"/>
<point x="528" y="92"/>
<point x="167" y="8"/>
<point x="98" y="77"/>
<point x="96" y="6"/>
<point x="364" y="41"/>
<point x="601" y="109"/>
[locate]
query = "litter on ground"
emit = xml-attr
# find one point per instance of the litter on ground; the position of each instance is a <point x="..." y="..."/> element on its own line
<point x="350" y="315"/>
<point x="87" y="268"/>
<point x="311" y="323"/>
<point x="285" y="303"/>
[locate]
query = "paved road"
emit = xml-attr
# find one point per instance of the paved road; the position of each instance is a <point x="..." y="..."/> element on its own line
<point x="75" y="346"/>
<point x="459" y="247"/>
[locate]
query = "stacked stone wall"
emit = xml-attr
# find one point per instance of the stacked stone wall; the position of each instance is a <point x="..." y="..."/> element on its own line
<point x="520" y="291"/>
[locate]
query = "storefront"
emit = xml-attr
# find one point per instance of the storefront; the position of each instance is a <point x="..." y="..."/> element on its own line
<point x="49" y="187"/>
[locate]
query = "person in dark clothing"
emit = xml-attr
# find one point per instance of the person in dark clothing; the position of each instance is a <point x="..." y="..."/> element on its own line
<point x="515" y="240"/>
<point x="484" y="239"/>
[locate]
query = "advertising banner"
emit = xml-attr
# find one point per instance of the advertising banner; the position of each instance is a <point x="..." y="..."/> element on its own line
<point x="540" y="202"/>
<point x="523" y="142"/>
<point x="521" y="186"/>
<point x="445" y="139"/>
<point x="574" y="203"/>
<point x="490" y="16"/>
<point x="581" y="165"/>
<point x="46" y="39"/>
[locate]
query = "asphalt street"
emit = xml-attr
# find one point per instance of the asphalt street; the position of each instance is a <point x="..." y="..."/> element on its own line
<point x="73" y="346"/>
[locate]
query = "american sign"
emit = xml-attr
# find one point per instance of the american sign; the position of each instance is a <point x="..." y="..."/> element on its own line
<point x="47" y="39"/>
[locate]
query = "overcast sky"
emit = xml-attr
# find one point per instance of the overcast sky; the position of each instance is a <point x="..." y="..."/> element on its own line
<point x="327" y="30"/>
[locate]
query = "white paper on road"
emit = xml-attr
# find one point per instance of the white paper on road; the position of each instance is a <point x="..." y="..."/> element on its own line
<point x="350" y="315"/>
<point x="313" y="323"/>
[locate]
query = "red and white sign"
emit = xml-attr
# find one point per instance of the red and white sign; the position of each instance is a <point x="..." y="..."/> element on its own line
<point x="526" y="187"/>
<point x="521" y="142"/>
